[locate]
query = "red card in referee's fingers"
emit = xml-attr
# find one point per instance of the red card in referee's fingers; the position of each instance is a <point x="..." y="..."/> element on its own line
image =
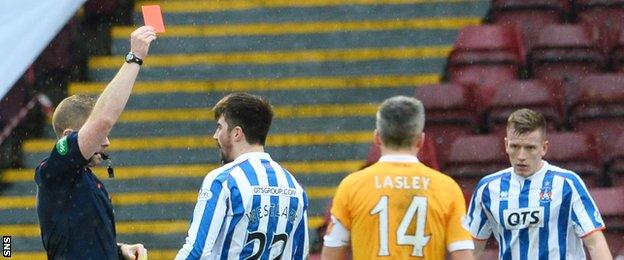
<point x="152" y="16"/>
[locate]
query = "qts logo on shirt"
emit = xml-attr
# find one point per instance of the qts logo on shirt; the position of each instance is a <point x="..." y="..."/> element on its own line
<point x="523" y="218"/>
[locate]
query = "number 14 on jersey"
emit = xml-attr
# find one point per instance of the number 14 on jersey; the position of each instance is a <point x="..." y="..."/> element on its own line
<point x="418" y="209"/>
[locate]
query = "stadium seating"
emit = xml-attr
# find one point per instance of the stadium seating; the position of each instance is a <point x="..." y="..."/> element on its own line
<point x="612" y="214"/>
<point x="450" y="112"/>
<point x="576" y="152"/>
<point x="485" y="56"/>
<point x="598" y="109"/>
<point x="605" y="130"/>
<point x="617" y="54"/>
<point x="474" y="156"/>
<point x="598" y="95"/>
<point x="528" y="16"/>
<point x="563" y="53"/>
<point x="616" y="170"/>
<point x="602" y="17"/>
<point x="448" y="103"/>
<point x="532" y="94"/>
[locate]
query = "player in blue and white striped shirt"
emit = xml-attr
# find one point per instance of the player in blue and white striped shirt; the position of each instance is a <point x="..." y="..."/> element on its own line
<point x="251" y="207"/>
<point x="535" y="210"/>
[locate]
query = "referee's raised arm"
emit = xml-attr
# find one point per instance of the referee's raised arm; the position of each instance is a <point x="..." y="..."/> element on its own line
<point x="113" y="99"/>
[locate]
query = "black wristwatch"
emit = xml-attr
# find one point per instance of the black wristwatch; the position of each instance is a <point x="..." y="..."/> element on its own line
<point x="130" y="57"/>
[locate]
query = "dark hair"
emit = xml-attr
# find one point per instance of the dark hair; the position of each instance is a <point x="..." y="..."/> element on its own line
<point x="525" y="120"/>
<point x="250" y="112"/>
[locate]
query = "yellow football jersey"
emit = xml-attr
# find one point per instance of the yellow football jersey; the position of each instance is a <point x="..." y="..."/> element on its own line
<point x="400" y="210"/>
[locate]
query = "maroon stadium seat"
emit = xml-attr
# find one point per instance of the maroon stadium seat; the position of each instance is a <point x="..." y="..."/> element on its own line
<point x="528" y="16"/>
<point x="486" y="76"/>
<point x="532" y="94"/>
<point x="576" y="152"/>
<point x="598" y="95"/>
<point x="563" y="53"/>
<point x="448" y="103"/>
<point x="450" y="111"/>
<point x="616" y="170"/>
<point x="612" y="213"/>
<point x="485" y="56"/>
<point x="487" y="38"/>
<point x="604" y="17"/>
<point x="474" y="156"/>
<point x="442" y="136"/>
<point x="617" y="55"/>
<point x="598" y="109"/>
<point x="605" y="130"/>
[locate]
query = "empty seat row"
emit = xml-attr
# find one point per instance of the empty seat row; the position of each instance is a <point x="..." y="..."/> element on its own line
<point x="593" y="96"/>
<point x="487" y="55"/>
<point x="602" y="17"/>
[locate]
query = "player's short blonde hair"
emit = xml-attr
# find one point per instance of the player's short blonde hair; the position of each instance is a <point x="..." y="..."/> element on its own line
<point x="400" y="120"/>
<point x="72" y="113"/>
<point x="525" y="120"/>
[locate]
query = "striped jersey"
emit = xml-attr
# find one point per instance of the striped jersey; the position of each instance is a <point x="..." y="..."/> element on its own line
<point x="251" y="208"/>
<point x="543" y="216"/>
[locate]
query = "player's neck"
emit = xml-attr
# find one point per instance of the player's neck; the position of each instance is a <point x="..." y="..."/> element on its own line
<point x="248" y="148"/>
<point x="389" y="151"/>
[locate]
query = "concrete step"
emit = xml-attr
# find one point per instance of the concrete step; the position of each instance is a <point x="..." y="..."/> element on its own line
<point x="155" y="235"/>
<point x="191" y="44"/>
<point x="135" y="213"/>
<point x="181" y="156"/>
<point x="202" y="128"/>
<point x="301" y="169"/>
<point x="236" y="12"/>
<point x="310" y="69"/>
<point x="281" y="57"/>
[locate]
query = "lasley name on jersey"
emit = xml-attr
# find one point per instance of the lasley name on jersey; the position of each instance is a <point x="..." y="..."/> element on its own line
<point x="524" y="218"/>
<point x="272" y="210"/>
<point x="402" y="182"/>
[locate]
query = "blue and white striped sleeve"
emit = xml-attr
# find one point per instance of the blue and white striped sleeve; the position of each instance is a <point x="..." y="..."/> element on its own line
<point x="476" y="221"/>
<point x="208" y="216"/>
<point x="301" y="243"/>
<point x="585" y="214"/>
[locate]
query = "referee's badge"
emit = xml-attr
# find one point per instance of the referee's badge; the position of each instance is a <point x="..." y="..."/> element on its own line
<point x="546" y="194"/>
<point x="61" y="146"/>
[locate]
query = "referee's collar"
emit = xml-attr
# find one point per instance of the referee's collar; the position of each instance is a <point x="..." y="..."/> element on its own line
<point x="257" y="155"/>
<point x="537" y="174"/>
<point x="400" y="158"/>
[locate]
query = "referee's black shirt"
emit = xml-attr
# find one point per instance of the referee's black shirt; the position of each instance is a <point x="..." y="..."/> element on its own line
<point x="75" y="212"/>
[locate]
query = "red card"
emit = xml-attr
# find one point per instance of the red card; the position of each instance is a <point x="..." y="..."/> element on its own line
<point x="153" y="17"/>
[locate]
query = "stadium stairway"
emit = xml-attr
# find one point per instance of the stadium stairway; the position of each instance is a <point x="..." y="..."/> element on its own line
<point x="324" y="65"/>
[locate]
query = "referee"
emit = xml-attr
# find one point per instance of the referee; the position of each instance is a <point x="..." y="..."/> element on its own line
<point x="74" y="209"/>
<point x="534" y="209"/>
